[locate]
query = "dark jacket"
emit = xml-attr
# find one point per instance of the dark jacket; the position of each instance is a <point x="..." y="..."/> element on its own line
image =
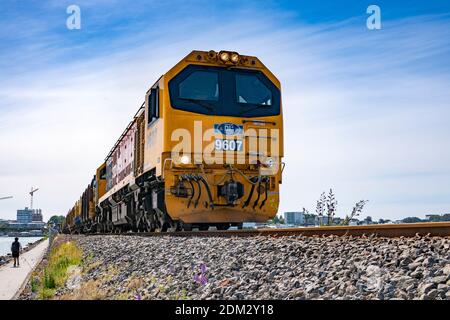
<point x="15" y="247"/>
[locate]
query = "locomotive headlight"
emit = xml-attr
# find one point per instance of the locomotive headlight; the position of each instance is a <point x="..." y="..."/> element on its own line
<point x="224" y="56"/>
<point x="234" y="57"/>
<point x="185" y="159"/>
<point x="270" y="162"/>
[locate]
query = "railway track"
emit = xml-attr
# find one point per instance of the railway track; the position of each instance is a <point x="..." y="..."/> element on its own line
<point x="437" y="229"/>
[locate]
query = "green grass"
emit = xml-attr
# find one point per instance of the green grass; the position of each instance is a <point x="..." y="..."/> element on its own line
<point x="35" y="283"/>
<point x="55" y="273"/>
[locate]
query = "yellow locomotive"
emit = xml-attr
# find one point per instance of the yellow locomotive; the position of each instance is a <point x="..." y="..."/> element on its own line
<point x="204" y="149"/>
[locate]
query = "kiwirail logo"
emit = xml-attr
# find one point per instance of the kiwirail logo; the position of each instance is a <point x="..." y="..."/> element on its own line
<point x="226" y="143"/>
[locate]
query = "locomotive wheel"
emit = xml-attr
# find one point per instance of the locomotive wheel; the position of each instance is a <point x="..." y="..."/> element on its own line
<point x="149" y="222"/>
<point x="173" y="227"/>
<point x="203" y="227"/>
<point x="177" y="226"/>
<point x="143" y="226"/>
<point x="162" y="228"/>
<point x="159" y="227"/>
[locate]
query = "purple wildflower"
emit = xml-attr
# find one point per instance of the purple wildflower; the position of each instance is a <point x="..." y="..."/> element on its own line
<point x="201" y="278"/>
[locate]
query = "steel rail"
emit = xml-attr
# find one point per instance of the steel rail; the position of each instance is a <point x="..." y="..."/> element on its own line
<point x="434" y="229"/>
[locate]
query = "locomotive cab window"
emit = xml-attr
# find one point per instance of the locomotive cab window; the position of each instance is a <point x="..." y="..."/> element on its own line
<point x="153" y="105"/>
<point x="250" y="90"/>
<point x="224" y="92"/>
<point x="103" y="174"/>
<point x="200" y="85"/>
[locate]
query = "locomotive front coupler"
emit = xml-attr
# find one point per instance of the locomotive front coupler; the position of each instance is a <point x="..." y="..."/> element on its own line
<point x="231" y="190"/>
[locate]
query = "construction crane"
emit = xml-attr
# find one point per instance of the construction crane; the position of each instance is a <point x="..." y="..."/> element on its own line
<point x="31" y="193"/>
<point x="8" y="197"/>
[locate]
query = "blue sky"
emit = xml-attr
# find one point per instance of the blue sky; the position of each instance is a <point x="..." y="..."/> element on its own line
<point x="365" y="110"/>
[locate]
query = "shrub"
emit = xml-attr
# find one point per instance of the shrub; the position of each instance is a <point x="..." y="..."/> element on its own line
<point x="55" y="273"/>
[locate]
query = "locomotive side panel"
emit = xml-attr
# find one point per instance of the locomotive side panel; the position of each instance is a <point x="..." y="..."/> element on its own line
<point x="120" y="162"/>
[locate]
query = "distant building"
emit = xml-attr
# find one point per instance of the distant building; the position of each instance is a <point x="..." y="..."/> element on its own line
<point x="24" y="215"/>
<point x="29" y="215"/>
<point x="323" y="220"/>
<point x="37" y="215"/>
<point x="294" y="218"/>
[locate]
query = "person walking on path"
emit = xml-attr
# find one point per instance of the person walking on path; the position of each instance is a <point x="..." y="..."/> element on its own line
<point x="15" y="250"/>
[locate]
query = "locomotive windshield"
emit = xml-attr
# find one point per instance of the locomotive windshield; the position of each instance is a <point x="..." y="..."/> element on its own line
<point x="200" y="85"/>
<point x="227" y="92"/>
<point x="250" y="90"/>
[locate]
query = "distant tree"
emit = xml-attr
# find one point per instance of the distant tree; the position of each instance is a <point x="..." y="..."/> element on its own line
<point x="411" y="220"/>
<point x="56" y="220"/>
<point x="276" y="220"/>
<point x="331" y="206"/>
<point x="309" y="218"/>
<point x="3" y="224"/>
<point x="320" y="206"/>
<point x="434" y="217"/>
<point x="383" y="221"/>
<point x="281" y="220"/>
<point x="438" y="217"/>
<point x="357" y="209"/>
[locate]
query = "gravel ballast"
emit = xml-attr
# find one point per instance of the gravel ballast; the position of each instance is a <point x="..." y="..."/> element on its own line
<point x="294" y="267"/>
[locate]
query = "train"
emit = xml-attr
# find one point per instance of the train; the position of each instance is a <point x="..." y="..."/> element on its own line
<point x="205" y="149"/>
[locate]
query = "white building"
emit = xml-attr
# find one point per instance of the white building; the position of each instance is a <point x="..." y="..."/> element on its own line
<point x="294" y="218"/>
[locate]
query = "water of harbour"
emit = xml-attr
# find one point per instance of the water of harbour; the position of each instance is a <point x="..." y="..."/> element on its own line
<point x="5" y="243"/>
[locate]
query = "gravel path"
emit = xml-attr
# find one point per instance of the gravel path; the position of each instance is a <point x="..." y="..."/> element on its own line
<point x="294" y="267"/>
